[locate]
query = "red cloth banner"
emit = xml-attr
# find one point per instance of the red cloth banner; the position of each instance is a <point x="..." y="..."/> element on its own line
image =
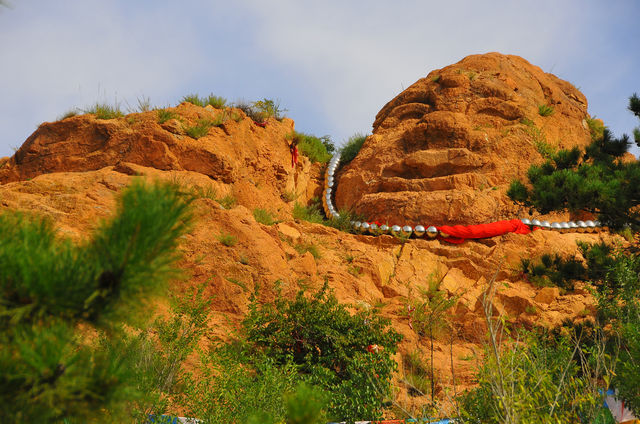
<point x="459" y="233"/>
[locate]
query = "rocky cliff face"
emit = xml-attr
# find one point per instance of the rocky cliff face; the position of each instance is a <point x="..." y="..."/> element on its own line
<point x="445" y="150"/>
<point x="238" y="157"/>
<point x="438" y="151"/>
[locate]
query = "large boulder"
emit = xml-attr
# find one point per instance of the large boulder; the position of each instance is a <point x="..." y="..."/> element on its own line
<point x="445" y="149"/>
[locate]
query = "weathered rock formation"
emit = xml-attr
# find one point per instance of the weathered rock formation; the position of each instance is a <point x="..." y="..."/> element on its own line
<point x="445" y="150"/>
<point x="241" y="158"/>
<point x="436" y="154"/>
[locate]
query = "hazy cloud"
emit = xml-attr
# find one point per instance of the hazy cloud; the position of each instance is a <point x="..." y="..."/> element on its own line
<point x="333" y="64"/>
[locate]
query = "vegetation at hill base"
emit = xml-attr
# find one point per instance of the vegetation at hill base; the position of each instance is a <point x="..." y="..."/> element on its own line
<point x="601" y="182"/>
<point x="76" y="346"/>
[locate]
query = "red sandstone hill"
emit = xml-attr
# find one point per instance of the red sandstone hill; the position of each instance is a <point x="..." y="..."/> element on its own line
<point x="441" y="151"/>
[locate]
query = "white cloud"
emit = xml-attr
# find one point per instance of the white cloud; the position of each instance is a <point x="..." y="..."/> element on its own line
<point x="75" y="53"/>
<point x="359" y="55"/>
<point x="334" y="64"/>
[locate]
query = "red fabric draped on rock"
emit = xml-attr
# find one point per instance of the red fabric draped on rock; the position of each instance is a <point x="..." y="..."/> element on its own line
<point x="459" y="233"/>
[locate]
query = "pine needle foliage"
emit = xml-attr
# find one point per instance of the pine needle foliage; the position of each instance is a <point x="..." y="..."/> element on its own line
<point x="596" y="180"/>
<point x="599" y="181"/>
<point x="51" y="287"/>
<point x="556" y="270"/>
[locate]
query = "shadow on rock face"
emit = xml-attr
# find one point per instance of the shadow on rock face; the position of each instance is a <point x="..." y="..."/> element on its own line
<point x="445" y="149"/>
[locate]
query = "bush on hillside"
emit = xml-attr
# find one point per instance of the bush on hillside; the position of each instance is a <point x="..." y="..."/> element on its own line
<point x="105" y="111"/>
<point x="313" y="213"/>
<point x="351" y="148"/>
<point x="328" y="346"/>
<point x="315" y="148"/>
<point x="534" y="380"/>
<point x="261" y="110"/>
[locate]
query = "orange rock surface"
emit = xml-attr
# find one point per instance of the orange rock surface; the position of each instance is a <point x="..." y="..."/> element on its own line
<point x="445" y="149"/>
<point x="437" y="152"/>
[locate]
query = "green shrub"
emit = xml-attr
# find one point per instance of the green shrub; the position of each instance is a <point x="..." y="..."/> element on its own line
<point x="312" y="147"/>
<point x="162" y="349"/>
<point x="268" y="108"/>
<point x="236" y="385"/>
<point x="227" y="239"/>
<point x="343" y="222"/>
<point x="105" y="111"/>
<point x="545" y="149"/>
<point x="263" y="216"/>
<point x="194" y="99"/>
<point x="627" y="378"/>
<point x="351" y="148"/>
<point x="201" y="128"/>
<point x="261" y="110"/>
<point x="313" y="213"/>
<point x="328" y="347"/>
<point x="306" y="405"/>
<point x="355" y="270"/>
<point x="237" y="282"/>
<point x="545" y="110"/>
<point x="165" y="114"/>
<point x="303" y="248"/>
<point x="248" y="110"/>
<point x="429" y="316"/>
<point x="555" y="269"/>
<point x="228" y="201"/>
<point x="68" y="114"/>
<point x="416" y="374"/>
<point x="533" y="381"/>
<point x="527" y="122"/>
<point x="289" y="195"/>
<point x="235" y="116"/>
<point x="310" y="213"/>
<point x="215" y="101"/>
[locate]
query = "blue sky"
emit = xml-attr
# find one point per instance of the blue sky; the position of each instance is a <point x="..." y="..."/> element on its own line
<point x="332" y="64"/>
